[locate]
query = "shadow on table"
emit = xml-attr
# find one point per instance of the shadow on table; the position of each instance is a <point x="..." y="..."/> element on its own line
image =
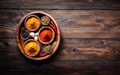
<point x="49" y="60"/>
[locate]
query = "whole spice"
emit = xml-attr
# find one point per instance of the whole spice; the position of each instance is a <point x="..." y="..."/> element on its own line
<point x="46" y="35"/>
<point x="45" y="20"/>
<point x="25" y="34"/>
<point x="32" y="23"/>
<point x="31" y="48"/>
<point x="46" y="50"/>
<point x="54" y="45"/>
<point x="53" y="26"/>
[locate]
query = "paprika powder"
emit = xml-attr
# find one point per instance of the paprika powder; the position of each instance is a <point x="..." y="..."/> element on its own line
<point x="46" y="35"/>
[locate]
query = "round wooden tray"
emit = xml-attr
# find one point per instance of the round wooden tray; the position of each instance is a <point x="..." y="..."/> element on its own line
<point x="53" y="46"/>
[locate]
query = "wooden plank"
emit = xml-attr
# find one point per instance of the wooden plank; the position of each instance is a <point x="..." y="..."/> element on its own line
<point x="81" y="57"/>
<point x="82" y="23"/>
<point x="91" y="49"/>
<point x="72" y="43"/>
<point x="68" y="33"/>
<point x="59" y="4"/>
<point x="54" y="73"/>
<point x="66" y="73"/>
<point x="62" y="66"/>
<point x="67" y="17"/>
<point x="65" y="60"/>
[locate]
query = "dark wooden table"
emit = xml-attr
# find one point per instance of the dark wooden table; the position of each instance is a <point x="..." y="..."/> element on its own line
<point x="90" y="31"/>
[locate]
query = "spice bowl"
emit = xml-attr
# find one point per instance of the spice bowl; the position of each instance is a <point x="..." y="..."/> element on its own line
<point x="32" y="22"/>
<point x="45" y="20"/>
<point x="25" y="34"/>
<point x="46" y="35"/>
<point x="31" y="47"/>
<point x="38" y="36"/>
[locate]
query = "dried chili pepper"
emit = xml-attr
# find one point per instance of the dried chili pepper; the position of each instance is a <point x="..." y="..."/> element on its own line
<point x="53" y="26"/>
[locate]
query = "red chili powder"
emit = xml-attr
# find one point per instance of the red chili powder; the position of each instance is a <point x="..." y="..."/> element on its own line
<point x="46" y="35"/>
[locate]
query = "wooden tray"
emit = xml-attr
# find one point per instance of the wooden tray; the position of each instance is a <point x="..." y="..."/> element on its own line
<point x="21" y="41"/>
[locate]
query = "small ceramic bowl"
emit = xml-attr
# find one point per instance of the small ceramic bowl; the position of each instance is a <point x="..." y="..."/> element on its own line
<point x="46" y="35"/>
<point x="32" y="22"/>
<point x="45" y="20"/>
<point x="24" y="34"/>
<point x="31" y="47"/>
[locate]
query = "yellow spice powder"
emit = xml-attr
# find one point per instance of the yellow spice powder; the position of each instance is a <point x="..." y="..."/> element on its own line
<point x="31" y="48"/>
<point x="32" y="23"/>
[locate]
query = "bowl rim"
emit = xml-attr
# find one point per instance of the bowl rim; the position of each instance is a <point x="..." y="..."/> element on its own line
<point x="42" y="28"/>
<point x="48" y="18"/>
<point x="29" y="40"/>
<point x="18" y="41"/>
<point x="29" y="16"/>
<point x="23" y="37"/>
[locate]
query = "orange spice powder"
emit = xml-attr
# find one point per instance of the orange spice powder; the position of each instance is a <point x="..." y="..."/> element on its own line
<point x="46" y="35"/>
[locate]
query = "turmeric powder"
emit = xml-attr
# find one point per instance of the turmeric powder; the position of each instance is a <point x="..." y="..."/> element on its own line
<point x="32" y="23"/>
<point x="31" y="48"/>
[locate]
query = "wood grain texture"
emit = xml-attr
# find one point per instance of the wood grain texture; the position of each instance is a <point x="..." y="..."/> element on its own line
<point x="90" y="43"/>
<point x="59" y="4"/>
<point x="81" y="23"/>
<point x="96" y="55"/>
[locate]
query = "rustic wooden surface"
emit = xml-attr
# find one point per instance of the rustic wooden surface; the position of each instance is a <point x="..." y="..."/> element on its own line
<point x="90" y="43"/>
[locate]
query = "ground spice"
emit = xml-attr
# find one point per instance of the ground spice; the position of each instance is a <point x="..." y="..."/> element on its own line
<point x="32" y="23"/>
<point x="24" y="34"/>
<point x="46" y="35"/>
<point x="31" y="48"/>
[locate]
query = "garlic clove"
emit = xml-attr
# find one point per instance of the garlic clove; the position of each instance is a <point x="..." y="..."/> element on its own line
<point x="32" y="34"/>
